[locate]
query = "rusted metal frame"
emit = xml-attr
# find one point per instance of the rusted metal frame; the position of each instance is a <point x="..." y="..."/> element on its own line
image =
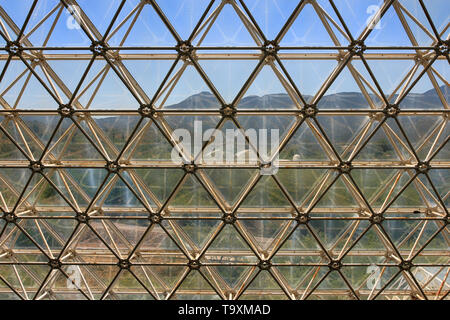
<point x="143" y="284"/>
<point x="440" y="129"/>
<point x="208" y="23"/>
<point x="400" y="98"/>
<point x="321" y="12"/>
<point x="25" y="154"/>
<point x="435" y="152"/>
<point x="248" y="24"/>
<point x="369" y="137"/>
<point x="253" y="21"/>
<point x="290" y="20"/>
<point x="216" y="290"/>
<point x="46" y="17"/>
<point x="306" y="296"/>
<point x="444" y="281"/>
<point x="178" y="284"/>
<point x="281" y="282"/>
<point x="21" y="283"/>
<point x="11" y="287"/>
<point x="36" y="222"/>
<point x="442" y="227"/>
<point x="82" y="17"/>
<point x="244" y="288"/>
<point x="208" y="184"/>
<point x="222" y="288"/>
<point x="316" y="193"/>
<point x="368" y="29"/>
<point x="136" y="11"/>
<point x="430" y="21"/>
<point x="399" y="193"/>
<point x="247" y="239"/>
<point x="400" y="8"/>
<point x="110" y="286"/>
<point x="324" y="249"/>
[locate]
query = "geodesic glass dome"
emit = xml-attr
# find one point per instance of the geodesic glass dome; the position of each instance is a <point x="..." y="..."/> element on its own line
<point x="224" y="149"/>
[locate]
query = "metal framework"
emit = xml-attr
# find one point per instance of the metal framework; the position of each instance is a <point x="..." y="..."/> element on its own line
<point x="167" y="245"/>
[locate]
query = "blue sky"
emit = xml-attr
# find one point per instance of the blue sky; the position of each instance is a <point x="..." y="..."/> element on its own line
<point x="228" y="30"/>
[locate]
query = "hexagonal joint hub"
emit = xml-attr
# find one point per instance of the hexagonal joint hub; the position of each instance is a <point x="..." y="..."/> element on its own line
<point x="405" y="265"/>
<point x="376" y="218"/>
<point x="423" y="167"/>
<point x="14" y="48"/>
<point x="264" y="265"/>
<point x="113" y="167"/>
<point x="358" y="47"/>
<point x="335" y="265"/>
<point x="442" y="48"/>
<point x="185" y="48"/>
<point x="98" y="48"/>
<point x="54" y="263"/>
<point x="147" y="111"/>
<point x="229" y="218"/>
<point x="345" y="167"/>
<point x="194" y="264"/>
<point x="190" y="167"/>
<point x="10" y="217"/>
<point x="303" y="218"/>
<point x="65" y="110"/>
<point x="124" y="264"/>
<point x="155" y="218"/>
<point x="309" y="111"/>
<point x="391" y="111"/>
<point x="228" y="111"/>
<point x="271" y="48"/>
<point x="82" y="218"/>
<point x="36" y="166"/>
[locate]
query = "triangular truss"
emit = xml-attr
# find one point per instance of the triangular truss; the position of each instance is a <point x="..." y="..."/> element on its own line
<point x="93" y="207"/>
